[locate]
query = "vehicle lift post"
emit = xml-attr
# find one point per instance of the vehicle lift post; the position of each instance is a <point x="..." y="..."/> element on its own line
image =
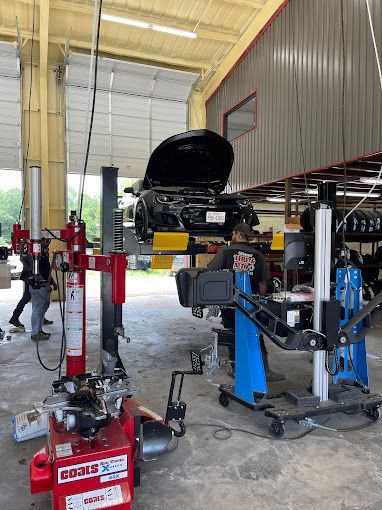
<point x="322" y="263"/>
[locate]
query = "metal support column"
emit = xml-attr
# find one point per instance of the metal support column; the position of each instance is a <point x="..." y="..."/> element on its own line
<point x="322" y="260"/>
<point x="111" y="314"/>
<point x="288" y="198"/>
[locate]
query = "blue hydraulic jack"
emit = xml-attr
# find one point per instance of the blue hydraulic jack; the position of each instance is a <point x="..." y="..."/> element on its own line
<point x="250" y="382"/>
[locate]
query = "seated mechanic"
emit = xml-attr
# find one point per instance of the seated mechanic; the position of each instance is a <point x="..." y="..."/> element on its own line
<point x="241" y="256"/>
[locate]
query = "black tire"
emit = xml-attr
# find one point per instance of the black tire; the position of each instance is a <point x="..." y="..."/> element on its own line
<point x="362" y="221"/>
<point x="141" y="222"/>
<point x="372" y="413"/>
<point x="377" y="221"/>
<point x="223" y="400"/>
<point x="277" y="429"/>
<point x="369" y="221"/>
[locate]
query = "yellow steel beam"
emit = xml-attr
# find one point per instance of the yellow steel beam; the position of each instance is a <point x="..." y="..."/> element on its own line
<point x="214" y="78"/>
<point x="245" y="3"/>
<point x="44" y="132"/>
<point x="196" y="111"/>
<point x="112" y="50"/>
<point x="205" y="32"/>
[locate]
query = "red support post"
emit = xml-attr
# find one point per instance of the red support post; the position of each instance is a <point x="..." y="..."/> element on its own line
<point x="76" y="304"/>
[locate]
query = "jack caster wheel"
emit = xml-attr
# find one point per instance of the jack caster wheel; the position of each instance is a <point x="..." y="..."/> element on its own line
<point x="223" y="400"/>
<point x="277" y="429"/>
<point x="373" y="413"/>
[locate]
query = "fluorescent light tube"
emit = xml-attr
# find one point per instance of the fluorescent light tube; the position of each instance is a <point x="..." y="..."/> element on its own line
<point x="125" y="21"/>
<point x="349" y="194"/>
<point x="357" y="194"/>
<point x="368" y="180"/>
<point x="174" y="31"/>
<point x="279" y="199"/>
<point x="144" y="24"/>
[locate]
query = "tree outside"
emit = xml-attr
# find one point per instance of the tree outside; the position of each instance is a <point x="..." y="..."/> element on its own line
<point x="90" y="212"/>
<point x="10" y="202"/>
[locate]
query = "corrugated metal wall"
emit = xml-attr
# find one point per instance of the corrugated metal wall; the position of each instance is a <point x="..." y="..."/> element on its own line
<point x="310" y="29"/>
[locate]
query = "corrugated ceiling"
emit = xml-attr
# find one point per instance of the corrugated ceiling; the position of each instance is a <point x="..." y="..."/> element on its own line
<point x="219" y="24"/>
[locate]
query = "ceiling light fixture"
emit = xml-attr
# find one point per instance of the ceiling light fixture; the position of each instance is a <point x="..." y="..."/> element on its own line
<point x="125" y="21"/>
<point x="144" y="24"/>
<point x="368" y="180"/>
<point x="349" y="194"/>
<point x="279" y="199"/>
<point x="174" y="31"/>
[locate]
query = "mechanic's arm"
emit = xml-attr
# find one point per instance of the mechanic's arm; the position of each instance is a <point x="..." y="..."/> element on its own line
<point x="265" y="276"/>
<point x="216" y="263"/>
<point x="262" y="288"/>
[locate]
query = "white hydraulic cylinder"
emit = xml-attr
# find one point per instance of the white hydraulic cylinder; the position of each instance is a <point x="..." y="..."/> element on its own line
<point x="322" y="261"/>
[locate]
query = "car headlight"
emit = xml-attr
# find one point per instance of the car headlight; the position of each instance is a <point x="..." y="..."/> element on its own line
<point x="168" y="199"/>
<point x="243" y="203"/>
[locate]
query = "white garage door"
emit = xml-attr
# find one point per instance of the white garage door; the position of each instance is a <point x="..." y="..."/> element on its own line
<point x="137" y="107"/>
<point x="10" y="111"/>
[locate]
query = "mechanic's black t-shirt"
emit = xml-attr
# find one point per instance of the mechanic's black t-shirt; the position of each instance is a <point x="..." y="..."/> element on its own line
<point x="242" y="257"/>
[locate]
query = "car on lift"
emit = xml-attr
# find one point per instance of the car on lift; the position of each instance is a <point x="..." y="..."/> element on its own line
<point x="128" y="202"/>
<point x="183" y="189"/>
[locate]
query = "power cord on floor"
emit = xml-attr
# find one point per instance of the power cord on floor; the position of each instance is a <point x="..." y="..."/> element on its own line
<point x="228" y="432"/>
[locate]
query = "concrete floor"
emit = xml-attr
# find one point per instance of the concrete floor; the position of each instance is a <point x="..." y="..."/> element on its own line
<point x="339" y="471"/>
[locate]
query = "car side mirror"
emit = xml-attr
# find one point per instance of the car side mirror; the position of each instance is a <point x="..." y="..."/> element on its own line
<point x="129" y="190"/>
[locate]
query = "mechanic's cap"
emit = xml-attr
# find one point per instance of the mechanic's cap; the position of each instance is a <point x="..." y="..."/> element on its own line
<point x="243" y="228"/>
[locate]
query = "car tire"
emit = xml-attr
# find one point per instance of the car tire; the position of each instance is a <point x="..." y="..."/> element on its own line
<point x="141" y="222"/>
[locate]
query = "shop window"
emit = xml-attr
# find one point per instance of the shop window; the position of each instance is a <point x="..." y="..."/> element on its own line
<point x="241" y="118"/>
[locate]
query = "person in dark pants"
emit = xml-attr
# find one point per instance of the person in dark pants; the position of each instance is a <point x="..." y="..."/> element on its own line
<point x="26" y="273"/>
<point x="241" y="256"/>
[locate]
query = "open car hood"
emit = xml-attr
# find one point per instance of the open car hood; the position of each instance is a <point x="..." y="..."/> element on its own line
<point x="198" y="158"/>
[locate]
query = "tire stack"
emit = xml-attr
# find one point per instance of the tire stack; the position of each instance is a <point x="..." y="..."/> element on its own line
<point x="361" y="221"/>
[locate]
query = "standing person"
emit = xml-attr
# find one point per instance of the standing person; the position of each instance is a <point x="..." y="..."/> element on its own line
<point x="241" y="256"/>
<point x="25" y="298"/>
<point x="40" y="297"/>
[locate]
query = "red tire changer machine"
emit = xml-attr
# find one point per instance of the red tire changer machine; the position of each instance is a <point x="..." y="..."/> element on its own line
<point x="96" y="431"/>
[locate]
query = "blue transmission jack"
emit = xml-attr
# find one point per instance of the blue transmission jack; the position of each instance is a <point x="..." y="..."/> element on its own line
<point x="352" y="359"/>
<point x="348" y="390"/>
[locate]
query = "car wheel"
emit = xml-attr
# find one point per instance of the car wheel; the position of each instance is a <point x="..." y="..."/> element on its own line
<point x="141" y="222"/>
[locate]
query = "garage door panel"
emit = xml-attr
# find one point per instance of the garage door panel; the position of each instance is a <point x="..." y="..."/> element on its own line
<point x="130" y="147"/>
<point x="78" y="100"/>
<point x="130" y="126"/>
<point x="162" y="129"/>
<point x="171" y="111"/>
<point x="78" y="121"/>
<point x="100" y="144"/>
<point x="123" y="104"/>
<point x="140" y="85"/>
<point x="137" y="107"/>
<point x="9" y="113"/>
<point x="10" y="108"/>
<point x="134" y="167"/>
<point x="10" y="135"/>
<point x="9" y="88"/>
<point x="169" y="88"/>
